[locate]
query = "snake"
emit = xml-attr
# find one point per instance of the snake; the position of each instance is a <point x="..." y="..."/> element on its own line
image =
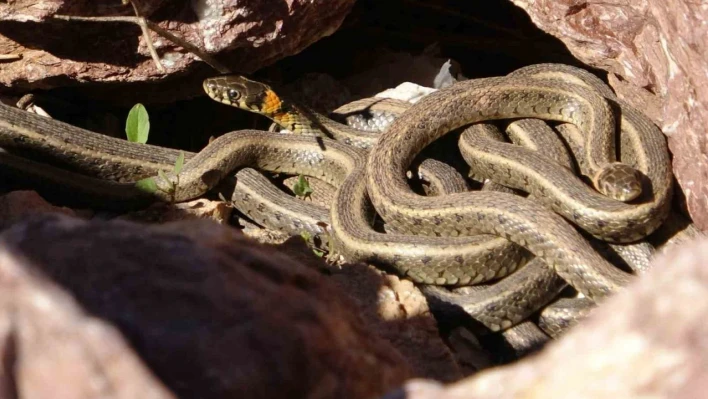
<point x="115" y="163"/>
<point x="487" y="303"/>
<point x="583" y="107"/>
<point x="245" y="94"/>
<point x="211" y="164"/>
<point x="295" y="153"/>
<point x="528" y="224"/>
<point x="558" y="316"/>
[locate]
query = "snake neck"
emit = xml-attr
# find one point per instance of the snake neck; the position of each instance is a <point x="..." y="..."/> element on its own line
<point x="288" y="115"/>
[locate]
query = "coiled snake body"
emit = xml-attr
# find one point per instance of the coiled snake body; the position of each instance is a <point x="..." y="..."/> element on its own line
<point x="435" y="236"/>
<point x="644" y="147"/>
<point x="498" y="98"/>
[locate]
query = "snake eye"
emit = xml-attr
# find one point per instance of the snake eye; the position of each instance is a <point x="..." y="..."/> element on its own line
<point x="233" y="94"/>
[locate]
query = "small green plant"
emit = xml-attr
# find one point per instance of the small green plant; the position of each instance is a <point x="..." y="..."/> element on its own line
<point x="302" y="188"/>
<point x="137" y="130"/>
<point x="137" y="126"/>
<point x="149" y="185"/>
<point x="306" y="235"/>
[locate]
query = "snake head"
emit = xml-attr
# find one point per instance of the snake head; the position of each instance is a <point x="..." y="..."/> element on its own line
<point x="619" y="181"/>
<point x="243" y="93"/>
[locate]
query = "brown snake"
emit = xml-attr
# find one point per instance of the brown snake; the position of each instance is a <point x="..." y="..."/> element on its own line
<point x="118" y="160"/>
<point x="547" y="235"/>
<point x="659" y="171"/>
<point x="527" y="224"/>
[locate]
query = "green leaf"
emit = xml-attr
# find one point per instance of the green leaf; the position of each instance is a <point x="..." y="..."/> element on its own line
<point x="137" y="126"/>
<point x="148" y="185"/>
<point x="302" y="188"/>
<point x="179" y="163"/>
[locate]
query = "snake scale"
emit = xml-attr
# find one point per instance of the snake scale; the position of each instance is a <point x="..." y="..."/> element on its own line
<point x="436" y="239"/>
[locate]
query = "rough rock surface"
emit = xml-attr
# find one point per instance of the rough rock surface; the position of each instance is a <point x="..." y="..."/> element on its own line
<point x="659" y="47"/>
<point x="394" y="309"/>
<point x="649" y="341"/>
<point x="398" y="312"/>
<point x="20" y="204"/>
<point x="246" y="35"/>
<point x="211" y="313"/>
<point x="52" y="348"/>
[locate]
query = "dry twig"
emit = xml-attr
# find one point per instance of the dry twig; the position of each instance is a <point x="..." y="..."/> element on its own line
<point x="146" y="24"/>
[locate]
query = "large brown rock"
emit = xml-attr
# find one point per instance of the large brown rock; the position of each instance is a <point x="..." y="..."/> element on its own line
<point x="210" y="312"/>
<point x="246" y="35"/>
<point x="648" y="341"/>
<point x="657" y="51"/>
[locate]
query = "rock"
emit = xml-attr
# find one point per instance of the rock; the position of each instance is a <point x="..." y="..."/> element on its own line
<point x="390" y="69"/>
<point x="398" y="312"/>
<point x="648" y="341"/>
<point x="38" y="10"/>
<point x="20" y="204"/>
<point x="658" y="47"/>
<point x="201" y="208"/>
<point x="211" y="313"/>
<point x="243" y="35"/>
<point x="52" y="347"/>
<point x="319" y="91"/>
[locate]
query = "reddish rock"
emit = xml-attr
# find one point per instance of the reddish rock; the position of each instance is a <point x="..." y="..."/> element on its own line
<point x="210" y="312"/>
<point x="53" y="348"/>
<point x="18" y="205"/>
<point x="398" y="312"/>
<point x="245" y="35"/>
<point x="658" y="47"/>
<point x="648" y="341"/>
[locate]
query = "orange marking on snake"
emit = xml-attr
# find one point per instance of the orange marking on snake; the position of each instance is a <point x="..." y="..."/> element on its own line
<point x="272" y="103"/>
